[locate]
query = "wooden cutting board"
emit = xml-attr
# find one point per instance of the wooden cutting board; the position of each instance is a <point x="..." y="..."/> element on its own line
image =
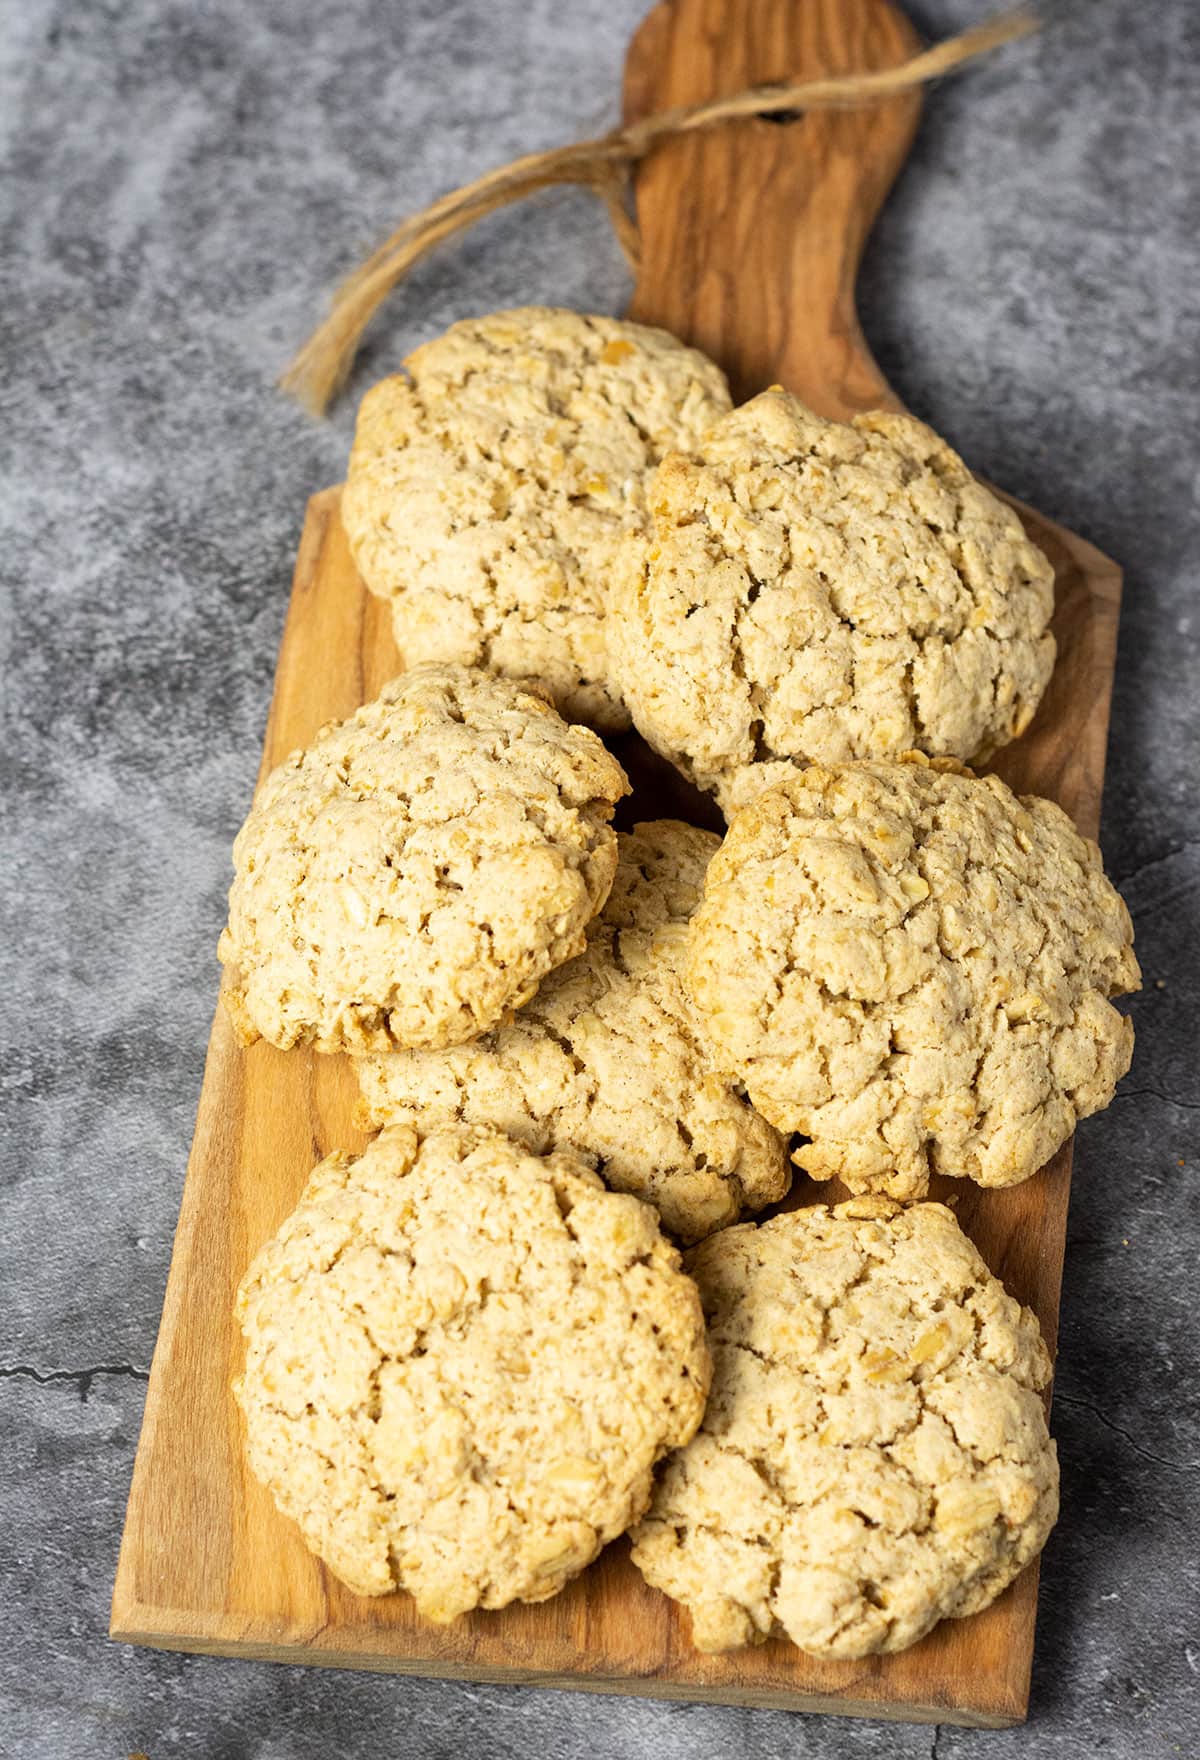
<point x="752" y="237"/>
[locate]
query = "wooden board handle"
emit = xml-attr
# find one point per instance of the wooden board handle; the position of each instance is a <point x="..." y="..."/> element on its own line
<point x="752" y="233"/>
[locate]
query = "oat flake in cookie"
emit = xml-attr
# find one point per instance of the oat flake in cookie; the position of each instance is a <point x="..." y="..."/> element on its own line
<point x="608" y="1060"/>
<point x="494" y="483"/>
<point x="874" y="1456"/>
<point x="418" y="869"/>
<point x="912" y="966"/>
<point x="823" y="591"/>
<point x="462" y="1364"/>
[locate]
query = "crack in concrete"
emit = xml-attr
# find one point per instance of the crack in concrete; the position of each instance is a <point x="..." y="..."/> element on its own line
<point x="935" y="1753"/>
<point x="1156" y="1094"/>
<point x="1070" y="1399"/>
<point x="1168" y="855"/>
<point x="79" y="1378"/>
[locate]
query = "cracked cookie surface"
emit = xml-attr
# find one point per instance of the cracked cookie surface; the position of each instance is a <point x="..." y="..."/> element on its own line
<point x="607" y="1058"/>
<point x="462" y="1363"/>
<point x="814" y="590"/>
<point x="874" y="1456"/>
<point x="912" y="966"/>
<point x="493" y="484"/>
<point x="419" y="868"/>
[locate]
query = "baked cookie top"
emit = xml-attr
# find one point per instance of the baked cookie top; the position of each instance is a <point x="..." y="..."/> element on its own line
<point x="912" y="966"/>
<point x="874" y="1456"/>
<point x="419" y="868"/>
<point x="493" y="483"/>
<point x="826" y="591"/>
<point x="462" y="1363"/>
<point x="607" y="1058"/>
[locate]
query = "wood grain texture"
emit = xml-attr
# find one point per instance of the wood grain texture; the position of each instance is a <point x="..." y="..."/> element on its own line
<point x="752" y="234"/>
<point x="752" y="239"/>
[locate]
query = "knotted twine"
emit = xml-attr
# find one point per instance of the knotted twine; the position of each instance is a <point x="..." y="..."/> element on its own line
<point x="605" y="165"/>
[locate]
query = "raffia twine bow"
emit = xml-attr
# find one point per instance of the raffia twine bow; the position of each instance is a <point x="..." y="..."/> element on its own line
<point x="605" y="165"/>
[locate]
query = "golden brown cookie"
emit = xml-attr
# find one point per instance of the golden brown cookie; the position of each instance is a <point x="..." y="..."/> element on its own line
<point x="494" y="482"/>
<point x="874" y="1456"/>
<point x="462" y="1363"/>
<point x="607" y="1059"/>
<point x="418" y="869"/>
<point x="912" y="966"/>
<point x="824" y="591"/>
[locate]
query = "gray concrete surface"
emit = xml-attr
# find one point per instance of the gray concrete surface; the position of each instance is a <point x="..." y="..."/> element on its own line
<point x="184" y="182"/>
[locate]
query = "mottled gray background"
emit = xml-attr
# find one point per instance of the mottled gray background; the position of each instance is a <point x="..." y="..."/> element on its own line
<point x="185" y="182"/>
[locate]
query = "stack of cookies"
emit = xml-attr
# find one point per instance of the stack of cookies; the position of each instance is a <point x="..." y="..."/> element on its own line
<point x="475" y="1354"/>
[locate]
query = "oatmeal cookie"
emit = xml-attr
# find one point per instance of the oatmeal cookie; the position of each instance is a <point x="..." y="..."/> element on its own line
<point x="419" y="868"/>
<point x="874" y="1456"/>
<point x="821" y="591"/>
<point x="494" y="482"/>
<point x="462" y="1363"/>
<point x="912" y="965"/>
<point x="607" y="1059"/>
